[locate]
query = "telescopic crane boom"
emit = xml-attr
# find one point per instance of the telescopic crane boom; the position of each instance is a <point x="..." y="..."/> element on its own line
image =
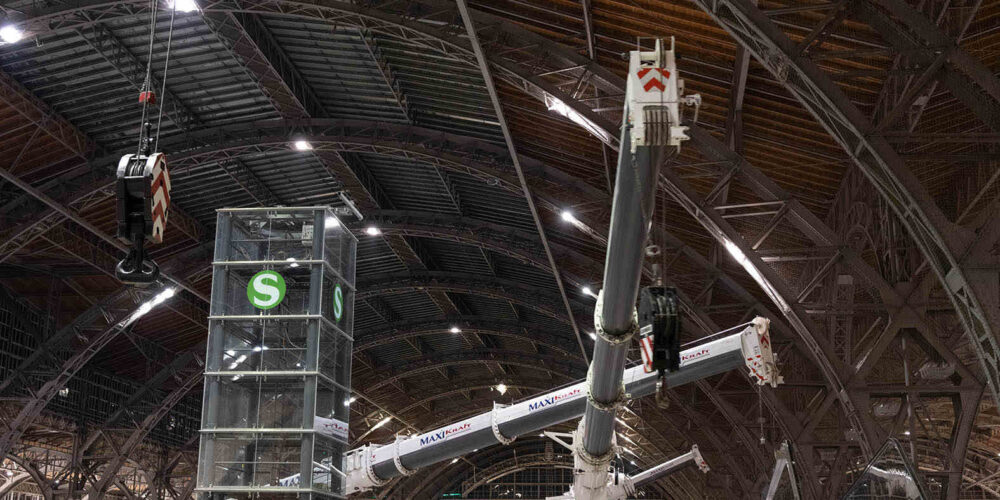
<point x="651" y="133"/>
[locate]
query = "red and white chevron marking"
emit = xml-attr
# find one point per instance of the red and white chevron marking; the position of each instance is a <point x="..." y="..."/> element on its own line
<point x="646" y="348"/>
<point x="650" y="78"/>
<point x="160" y="190"/>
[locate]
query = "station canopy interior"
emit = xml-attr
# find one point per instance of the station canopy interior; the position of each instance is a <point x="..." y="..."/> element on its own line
<point x="841" y="180"/>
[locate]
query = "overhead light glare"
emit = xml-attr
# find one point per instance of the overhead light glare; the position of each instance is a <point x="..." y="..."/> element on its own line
<point x="302" y="145"/>
<point x="501" y="388"/>
<point x="372" y="231"/>
<point x="11" y="34"/>
<point x="454" y="460"/>
<point x="185" y="5"/>
<point x="455" y="329"/>
<point x="381" y="423"/>
<point x="349" y="401"/>
<point x="592" y="336"/>
<point x="568" y="216"/>
<point x="560" y="107"/>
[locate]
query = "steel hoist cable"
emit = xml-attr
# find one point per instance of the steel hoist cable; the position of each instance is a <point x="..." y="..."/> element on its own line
<point x="147" y="95"/>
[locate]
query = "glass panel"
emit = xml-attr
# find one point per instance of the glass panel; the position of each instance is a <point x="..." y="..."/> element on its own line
<point x="278" y="458"/>
<point x="256" y="402"/>
<point x="890" y="476"/>
<point x="234" y="456"/>
<point x="262" y="345"/>
<point x="327" y="463"/>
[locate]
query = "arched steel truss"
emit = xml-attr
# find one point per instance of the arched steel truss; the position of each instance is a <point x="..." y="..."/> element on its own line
<point x="559" y="365"/>
<point x="467" y="155"/>
<point x="503" y="240"/>
<point x="398" y="331"/>
<point x="413" y="30"/>
<point x="529" y="296"/>
<point x="546" y="57"/>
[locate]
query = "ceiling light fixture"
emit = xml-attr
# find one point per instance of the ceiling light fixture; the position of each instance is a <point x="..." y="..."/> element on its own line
<point x="455" y="329"/>
<point x="185" y="6"/>
<point x="372" y="231"/>
<point x="11" y="34"/>
<point x="302" y="145"/>
<point x="381" y="423"/>
<point x="501" y="388"/>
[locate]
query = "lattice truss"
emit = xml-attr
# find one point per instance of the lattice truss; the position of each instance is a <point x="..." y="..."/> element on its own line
<point x="841" y="181"/>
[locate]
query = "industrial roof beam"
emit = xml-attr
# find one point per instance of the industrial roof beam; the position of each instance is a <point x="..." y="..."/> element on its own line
<point x="249" y="182"/>
<point x="396" y="331"/>
<point x="484" y="68"/>
<point x="393" y="83"/>
<point x="943" y="243"/>
<point x="112" y="50"/>
<point x="968" y="80"/>
<point x="31" y="107"/>
<point x="567" y="368"/>
<point x="20" y="99"/>
<point x="528" y="296"/>
<point x="369" y="196"/>
<point x="468" y="155"/>
<point x="135" y="438"/>
<point x="40" y="398"/>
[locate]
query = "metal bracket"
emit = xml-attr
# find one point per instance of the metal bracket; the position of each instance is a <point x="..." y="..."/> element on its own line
<point x="496" y="427"/>
<point x="397" y="462"/>
<point x="612" y="406"/>
<point x="613" y="339"/>
<point x="370" y="468"/>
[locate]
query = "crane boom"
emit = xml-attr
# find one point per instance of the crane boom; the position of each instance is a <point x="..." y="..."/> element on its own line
<point x="372" y="465"/>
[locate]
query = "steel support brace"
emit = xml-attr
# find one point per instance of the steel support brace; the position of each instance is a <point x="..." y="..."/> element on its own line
<point x="484" y="68"/>
<point x="941" y="242"/>
<point x="136" y="437"/>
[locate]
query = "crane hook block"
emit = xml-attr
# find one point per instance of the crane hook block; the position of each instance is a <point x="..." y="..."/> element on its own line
<point x="142" y="188"/>
<point x="659" y="329"/>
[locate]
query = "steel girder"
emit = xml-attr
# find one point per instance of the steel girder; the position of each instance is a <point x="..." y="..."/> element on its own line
<point x="36" y="403"/>
<point x="13" y="94"/>
<point x="249" y="182"/>
<point x="58" y="344"/>
<point x="515" y="243"/>
<point x="466" y="155"/>
<point x="12" y="482"/>
<point x="569" y="369"/>
<point x="110" y="470"/>
<point x="529" y="198"/>
<point x="968" y="79"/>
<point x="532" y="297"/>
<point x="111" y="49"/>
<point x="943" y="243"/>
<point x="482" y="325"/>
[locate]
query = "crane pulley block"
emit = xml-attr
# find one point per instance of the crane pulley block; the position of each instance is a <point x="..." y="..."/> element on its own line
<point x="142" y="188"/>
<point x="654" y="92"/>
<point x="659" y="329"/>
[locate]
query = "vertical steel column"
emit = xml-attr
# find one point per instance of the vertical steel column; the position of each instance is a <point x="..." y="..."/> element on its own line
<point x="206" y="460"/>
<point x="312" y="353"/>
<point x="631" y="214"/>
